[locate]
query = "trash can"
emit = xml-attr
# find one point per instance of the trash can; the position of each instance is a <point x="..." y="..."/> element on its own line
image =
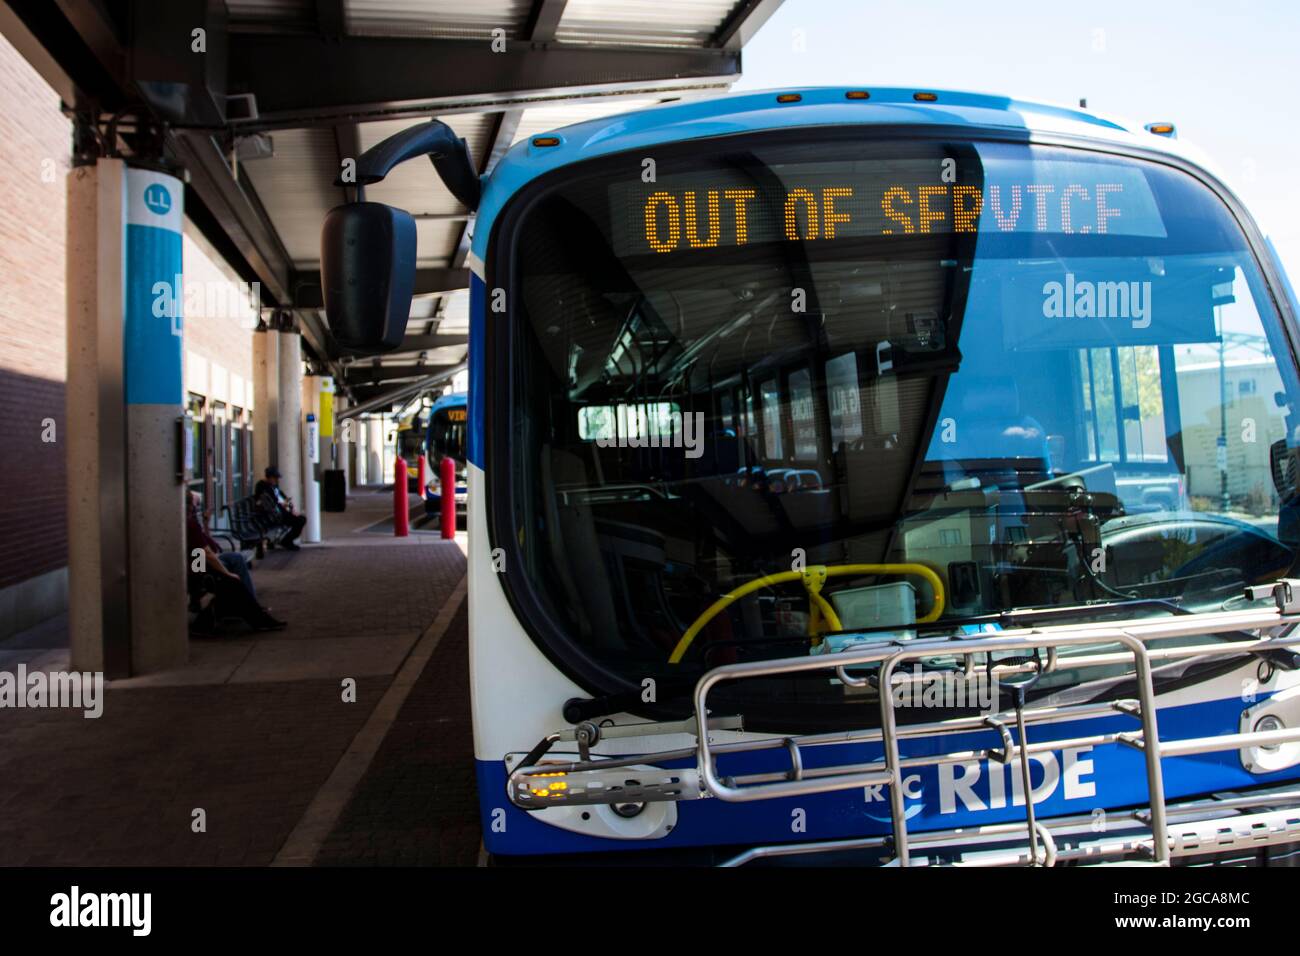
<point x="336" y="490"/>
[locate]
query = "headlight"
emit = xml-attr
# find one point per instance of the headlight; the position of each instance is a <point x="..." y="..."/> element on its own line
<point x="1265" y="724"/>
<point x="1281" y="712"/>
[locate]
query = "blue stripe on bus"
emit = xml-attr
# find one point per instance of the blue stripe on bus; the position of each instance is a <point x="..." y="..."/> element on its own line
<point x="477" y="328"/>
<point x="1108" y="776"/>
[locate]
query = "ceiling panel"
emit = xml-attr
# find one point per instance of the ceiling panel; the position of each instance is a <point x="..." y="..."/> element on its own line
<point x="644" y="22"/>
<point x="437" y="18"/>
<point x="435" y="241"/>
<point x="296" y="188"/>
<point x="455" y="316"/>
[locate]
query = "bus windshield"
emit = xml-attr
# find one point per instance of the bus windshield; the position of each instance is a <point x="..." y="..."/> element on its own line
<point x="447" y="435"/>
<point x="1051" y="375"/>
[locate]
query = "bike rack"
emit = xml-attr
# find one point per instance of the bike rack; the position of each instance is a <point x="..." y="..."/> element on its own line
<point x="1156" y="838"/>
<point x="889" y="657"/>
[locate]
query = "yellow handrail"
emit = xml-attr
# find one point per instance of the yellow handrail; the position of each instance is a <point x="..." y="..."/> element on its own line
<point x="813" y="578"/>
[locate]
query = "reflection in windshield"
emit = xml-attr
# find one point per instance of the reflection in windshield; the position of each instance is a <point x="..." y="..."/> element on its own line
<point x="1057" y="386"/>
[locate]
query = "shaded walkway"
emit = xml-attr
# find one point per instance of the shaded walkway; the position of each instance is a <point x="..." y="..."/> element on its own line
<point x="247" y="733"/>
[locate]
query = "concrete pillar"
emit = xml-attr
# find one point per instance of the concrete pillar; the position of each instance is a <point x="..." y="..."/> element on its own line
<point x="355" y="432"/>
<point x="288" y="437"/>
<point x="344" y="435"/>
<point x="375" y="451"/>
<point x="266" y="399"/>
<point x="125" y="398"/>
<point x="99" y="619"/>
<point x="355" y="462"/>
<point x="362" y="435"/>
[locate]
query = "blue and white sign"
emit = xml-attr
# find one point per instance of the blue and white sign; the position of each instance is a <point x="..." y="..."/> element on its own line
<point x="157" y="199"/>
<point x="153" y="333"/>
<point x="313" y="439"/>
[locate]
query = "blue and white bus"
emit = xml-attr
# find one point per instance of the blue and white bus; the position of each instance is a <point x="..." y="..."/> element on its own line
<point x="445" y="437"/>
<point x="846" y="465"/>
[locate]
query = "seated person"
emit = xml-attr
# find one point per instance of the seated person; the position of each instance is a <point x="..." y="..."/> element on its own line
<point x="233" y="584"/>
<point x="277" y="506"/>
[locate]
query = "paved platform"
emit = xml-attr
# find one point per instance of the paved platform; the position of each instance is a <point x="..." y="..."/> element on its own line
<point x="253" y="730"/>
<point x="419" y="802"/>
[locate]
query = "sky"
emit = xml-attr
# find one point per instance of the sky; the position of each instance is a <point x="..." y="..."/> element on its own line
<point x="1222" y="72"/>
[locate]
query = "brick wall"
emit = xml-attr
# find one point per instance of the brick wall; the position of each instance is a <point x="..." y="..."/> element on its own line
<point x="35" y="148"/>
<point x="35" y="145"/>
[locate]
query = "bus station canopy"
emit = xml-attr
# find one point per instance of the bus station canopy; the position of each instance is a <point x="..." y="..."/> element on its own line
<point x="262" y="100"/>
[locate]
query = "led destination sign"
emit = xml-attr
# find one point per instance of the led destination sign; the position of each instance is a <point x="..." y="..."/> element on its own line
<point x="856" y="199"/>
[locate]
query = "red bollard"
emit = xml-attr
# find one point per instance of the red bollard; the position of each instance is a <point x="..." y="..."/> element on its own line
<point x="448" y="482"/>
<point x="424" y="475"/>
<point x="401" y="499"/>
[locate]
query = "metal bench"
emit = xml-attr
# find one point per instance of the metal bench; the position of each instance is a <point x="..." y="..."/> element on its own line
<point x="249" y="527"/>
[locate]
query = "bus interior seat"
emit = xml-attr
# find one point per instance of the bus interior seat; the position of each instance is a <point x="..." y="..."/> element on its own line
<point x="803" y="502"/>
<point x="718" y="486"/>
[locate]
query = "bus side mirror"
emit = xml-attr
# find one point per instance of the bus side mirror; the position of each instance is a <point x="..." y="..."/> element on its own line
<point x="1282" y="465"/>
<point x="367" y="266"/>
